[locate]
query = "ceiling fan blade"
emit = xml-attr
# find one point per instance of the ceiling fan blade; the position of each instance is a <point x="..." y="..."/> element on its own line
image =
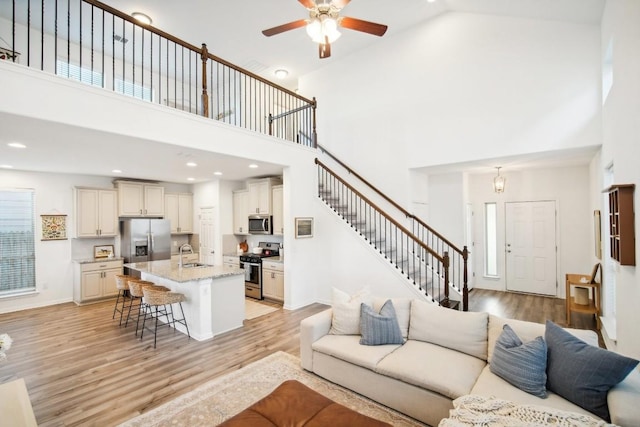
<point x="309" y="4"/>
<point x="364" y="26"/>
<point x="285" y="27"/>
<point x="339" y="4"/>
<point x="324" y="49"/>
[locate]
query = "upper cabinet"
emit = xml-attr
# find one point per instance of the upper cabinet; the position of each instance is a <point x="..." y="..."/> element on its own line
<point x="96" y="212"/>
<point x="178" y="208"/>
<point x="278" y="210"/>
<point x="140" y="199"/>
<point x="241" y="212"/>
<point x="260" y="195"/>
<point x="621" y="224"/>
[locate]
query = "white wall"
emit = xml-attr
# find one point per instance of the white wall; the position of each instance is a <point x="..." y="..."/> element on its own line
<point x="54" y="266"/>
<point x="621" y="147"/>
<point x="569" y="187"/>
<point x="455" y="88"/>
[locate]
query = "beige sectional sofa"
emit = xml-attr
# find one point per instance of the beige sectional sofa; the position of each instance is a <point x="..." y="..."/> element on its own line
<point x="446" y="355"/>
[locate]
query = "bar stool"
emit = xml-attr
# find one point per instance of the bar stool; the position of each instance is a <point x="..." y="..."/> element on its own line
<point x="153" y="301"/>
<point x="123" y="294"/>
<point x="135" y="291"/>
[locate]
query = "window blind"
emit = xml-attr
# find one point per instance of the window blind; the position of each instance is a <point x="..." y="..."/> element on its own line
<point x="72" y="71"/>
<point x="17" y="247"/>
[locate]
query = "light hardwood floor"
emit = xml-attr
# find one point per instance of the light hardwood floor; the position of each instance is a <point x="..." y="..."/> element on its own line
<point x="82" y="369"/>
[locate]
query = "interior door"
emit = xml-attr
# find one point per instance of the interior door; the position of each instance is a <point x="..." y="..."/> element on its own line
<point x="206" y="236"/>
<point x="530" y="251"/>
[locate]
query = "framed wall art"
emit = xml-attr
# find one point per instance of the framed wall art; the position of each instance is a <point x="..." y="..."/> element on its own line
<point x="54" y="227"/>
<point x="103" y="251"/>
<point x="304" y="227"/>
<point x="597" y="233"/>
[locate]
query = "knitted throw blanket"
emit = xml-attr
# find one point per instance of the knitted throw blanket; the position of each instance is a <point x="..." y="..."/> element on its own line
<point x="482" y="411"/>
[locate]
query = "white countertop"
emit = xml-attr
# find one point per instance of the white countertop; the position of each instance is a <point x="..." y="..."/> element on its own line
<point x="167" y="269"/>
<point x="91" y="260"/>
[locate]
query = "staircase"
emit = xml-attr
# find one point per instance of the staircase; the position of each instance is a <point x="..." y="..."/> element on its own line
<point x="428" y="261"/>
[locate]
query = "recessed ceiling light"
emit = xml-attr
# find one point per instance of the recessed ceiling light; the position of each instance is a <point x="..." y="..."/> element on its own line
<point x="6" y="166"/>
<point x="16" y="145"/>
<point x="141" y="17"/>
<point x="253" y="166"/>
<point x="191" y="179"/>
<point x="431" y="1"/>
<point x="281" y="73"/>
<point x="116" y="171"/>
<point x="217" y="173"/>
<point x="192" y="164"/>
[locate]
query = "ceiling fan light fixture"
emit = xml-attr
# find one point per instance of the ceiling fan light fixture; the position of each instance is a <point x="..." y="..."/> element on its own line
<point x="321" y="28"/>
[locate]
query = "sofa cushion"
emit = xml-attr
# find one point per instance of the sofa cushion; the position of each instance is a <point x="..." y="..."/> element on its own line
<point x="583" y="373"/>
<point x="402" y="306"/>
<point x="346" y="311"/>
<point x="430" y="366"/>
<point x="521" y="364"/>
<point x="527" y="331"/>
<point x="457" y="330"/>
<point x="348" y="348"/>
<point x="379" y="328"/>
<point x="489" y="384"/>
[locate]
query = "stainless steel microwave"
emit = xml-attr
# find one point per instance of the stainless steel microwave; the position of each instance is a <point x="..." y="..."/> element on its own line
<point x="260" y="224"/>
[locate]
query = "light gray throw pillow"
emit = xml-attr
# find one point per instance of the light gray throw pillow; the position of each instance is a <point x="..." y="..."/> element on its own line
<point x="521" y="364"/>
<point x="379" y="328"/>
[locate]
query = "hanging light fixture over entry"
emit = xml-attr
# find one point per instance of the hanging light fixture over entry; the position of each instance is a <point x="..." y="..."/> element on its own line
<point x="498" y="182"/>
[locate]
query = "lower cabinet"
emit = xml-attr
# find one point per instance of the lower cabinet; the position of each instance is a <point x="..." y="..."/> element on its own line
<point x="231" y="262"/>
<point x="273" y="280"/>
<point x="96" y="280"/>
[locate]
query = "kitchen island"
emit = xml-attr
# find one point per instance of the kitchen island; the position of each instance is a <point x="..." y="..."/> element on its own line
<point x="214" y="294"/>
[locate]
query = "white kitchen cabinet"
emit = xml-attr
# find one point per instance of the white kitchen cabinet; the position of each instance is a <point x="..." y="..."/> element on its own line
<point x="231" y="262"/>
<point x="96" y="280"/>
<point x="241" y="212"/>
<point x="178" y="208"/>
<point x="278" y="210"/>
<point x="186" y="258"/>
<point x="260" y="195"/>
<point x="140" y="199"/>
<point x="96" y="212"/>
<point x="273" y="280"/>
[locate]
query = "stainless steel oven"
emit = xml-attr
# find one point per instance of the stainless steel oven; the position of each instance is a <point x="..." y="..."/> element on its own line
<point x="252" y="278"/>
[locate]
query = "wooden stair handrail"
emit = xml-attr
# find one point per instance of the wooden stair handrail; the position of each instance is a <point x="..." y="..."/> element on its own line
<point x="393" y="203"/>
<point x="387" y="216"/>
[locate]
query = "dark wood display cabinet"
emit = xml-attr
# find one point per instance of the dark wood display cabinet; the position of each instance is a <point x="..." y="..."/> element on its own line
<point x="621" y="224"/>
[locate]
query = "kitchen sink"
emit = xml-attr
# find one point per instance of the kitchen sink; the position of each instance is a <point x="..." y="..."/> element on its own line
<point x="194" y="265"/>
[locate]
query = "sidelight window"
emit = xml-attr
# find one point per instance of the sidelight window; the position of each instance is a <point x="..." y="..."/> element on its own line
<point x="17" y="246"/>
<point x="491" y="239"/>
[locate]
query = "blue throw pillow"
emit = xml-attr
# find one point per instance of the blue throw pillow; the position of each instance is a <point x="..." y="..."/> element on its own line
<point x="522" y="365"/>
<point x="379" y="328"/>
<point x="582" y="373"/>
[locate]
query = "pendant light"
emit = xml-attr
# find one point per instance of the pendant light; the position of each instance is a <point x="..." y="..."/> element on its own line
<point x="498" y="182"/>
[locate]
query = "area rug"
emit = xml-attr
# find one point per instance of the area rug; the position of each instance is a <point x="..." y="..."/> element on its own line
<point x="254" y="309"/>
<point x="220" y="399"/>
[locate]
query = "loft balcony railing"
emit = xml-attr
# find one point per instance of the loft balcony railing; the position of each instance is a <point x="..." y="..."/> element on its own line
<point x="96" y="44"/>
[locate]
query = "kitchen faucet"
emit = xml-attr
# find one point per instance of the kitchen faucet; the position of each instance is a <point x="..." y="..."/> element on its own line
<point x="182" y="248"/>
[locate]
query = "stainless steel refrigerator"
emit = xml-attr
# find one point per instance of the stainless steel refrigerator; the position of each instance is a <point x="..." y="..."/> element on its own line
<point x="144" y="240"/>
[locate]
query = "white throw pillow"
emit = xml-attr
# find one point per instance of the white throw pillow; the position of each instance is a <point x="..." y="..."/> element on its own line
<point x="457" y="330"/>
<point x="346" y="311"/>
<point x="403" y="311"/>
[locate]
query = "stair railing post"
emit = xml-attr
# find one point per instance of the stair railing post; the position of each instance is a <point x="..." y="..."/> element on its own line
<point x="270" y="124"/>
<point x="204" y="54"/>
<point x="314" y="133"/>
<point x="445" y="267"/>
<point x="465" y="288"/>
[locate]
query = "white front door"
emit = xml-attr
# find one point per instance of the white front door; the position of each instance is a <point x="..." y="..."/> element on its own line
<point x="206" y="236"/>
<point x="531" y="247"/>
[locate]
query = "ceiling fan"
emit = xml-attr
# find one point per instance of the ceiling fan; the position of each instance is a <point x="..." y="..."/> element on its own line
<point x="324" y="20"/>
